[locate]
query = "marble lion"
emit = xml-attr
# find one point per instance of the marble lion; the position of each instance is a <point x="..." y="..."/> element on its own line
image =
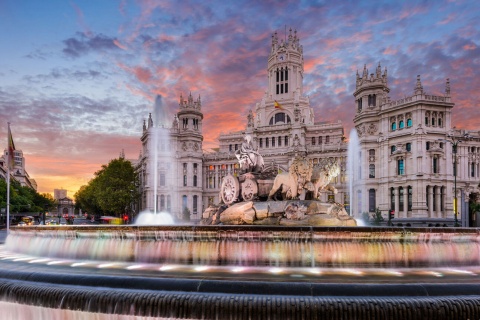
<point x="323" y="173"/>
<point x="291" y="182"/>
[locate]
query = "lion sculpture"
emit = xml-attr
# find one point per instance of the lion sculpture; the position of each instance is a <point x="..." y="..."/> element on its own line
<point x="323" y="173"/>
<point x="291" y="182"/>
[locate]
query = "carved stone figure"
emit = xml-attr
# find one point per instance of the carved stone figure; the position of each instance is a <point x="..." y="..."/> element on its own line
<point x="248" y="158"/>
<point x="299" y="173"/>
<point x="322" y="174"/>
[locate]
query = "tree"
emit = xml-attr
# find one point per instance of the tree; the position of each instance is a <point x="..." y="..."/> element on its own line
<point x="375" y="219"/>
<point x="111" y="190"/>
<point x="24" y="198"/>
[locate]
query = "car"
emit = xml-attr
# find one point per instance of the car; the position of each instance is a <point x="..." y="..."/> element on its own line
<point x="22" y="224"/>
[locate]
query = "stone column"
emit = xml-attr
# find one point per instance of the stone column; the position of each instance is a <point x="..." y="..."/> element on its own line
<point x="397" y="202"/>
<point x="405" y="202"/>
<point x="438" y="198"/>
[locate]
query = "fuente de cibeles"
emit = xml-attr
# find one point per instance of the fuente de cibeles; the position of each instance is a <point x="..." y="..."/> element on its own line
<point x="289" y="198"/>
<point x="278" y="243"/>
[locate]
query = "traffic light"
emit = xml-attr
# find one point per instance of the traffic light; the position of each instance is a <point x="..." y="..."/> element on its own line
<point x="391" y="214"/>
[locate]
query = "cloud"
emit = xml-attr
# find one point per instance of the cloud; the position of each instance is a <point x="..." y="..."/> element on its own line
<point x="81" y="44"/>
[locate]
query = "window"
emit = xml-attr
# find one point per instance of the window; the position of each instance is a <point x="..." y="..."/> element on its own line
<point x="409" y="147"/>
<point x="409" y="123"/>
<point x="472" y="170"/>
<point x="280" y="118"/>
<point x="195" y="204"/>
<point x="409" y="198"/>
<point x="185" y="180"/>
<point x="236" y="147"/>
<point x="184" y="202"/>
<point x="162" y="179"/>
<point x="426" y="121"/>
<point x="401" y="124"/>
<point x="394" y="126"/>
<point x="392" y="199"/>
<point x="261" y="142"/>
<point x="169" y="203"/>
<point x="401" y="169"/>
<point x="359" y="104"/>
<point x="286" y="141"/>
<point x="427" y="145"/>
<point x="435" y="165"/>
<point x="401" y="206"/>
<point x="327" y="139"/>
<point x="267" y="142"/>
<point x="279" y="141"/>
<point x="433" y="121"/>
<point x="195" y="180"/>
<point x="319" y="140"/>
<point x="392" y="149"/>
<point x="439" y="122"/>
<point x="371" y="200"/>
<point x="313" y="141"/>
<point x="282" y="78"/>
<point x="273" y="142"/>
<point x="371" y="171"/>
<point x="372" y="100"/>
<point x="162" y="202"/>
<point x="371" y="152"/>
<point x="230" y="148"/>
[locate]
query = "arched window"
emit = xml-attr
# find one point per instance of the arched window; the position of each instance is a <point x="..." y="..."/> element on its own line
<point x="439" y="122"/>
<point x="401" y="124"/>
<point x="279" y="141"/>
<point x="392" y="149"/>
<point x="359" y="103"/>
<point x="286" y="141"/>
<point x="184" y="202"/>
<point x="409" y="123"/>
<point x="280" y="118"/>
<point x="409" y="147"/>
<point x="371" y="171"/>
<point x="433" y="121"/>
<point x="394" y="126"/>
<point x="169" y="203"/>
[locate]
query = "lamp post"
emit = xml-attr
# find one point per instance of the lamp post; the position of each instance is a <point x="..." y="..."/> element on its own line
<point x="455" y="141"/>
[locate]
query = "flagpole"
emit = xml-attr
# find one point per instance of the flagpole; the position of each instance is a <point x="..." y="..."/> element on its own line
<point x="8" y="182"/>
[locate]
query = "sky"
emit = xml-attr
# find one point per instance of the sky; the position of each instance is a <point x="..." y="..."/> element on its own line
<point x="78" y="78"/>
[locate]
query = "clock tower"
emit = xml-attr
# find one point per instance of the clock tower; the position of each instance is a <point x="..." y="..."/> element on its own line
<point x="284" y="92"/>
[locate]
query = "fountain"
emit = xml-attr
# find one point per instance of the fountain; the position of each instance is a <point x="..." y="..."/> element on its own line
<point x="244" y="268"/>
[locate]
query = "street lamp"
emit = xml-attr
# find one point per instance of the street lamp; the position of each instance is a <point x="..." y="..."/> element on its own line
<point x="455" y="141"/>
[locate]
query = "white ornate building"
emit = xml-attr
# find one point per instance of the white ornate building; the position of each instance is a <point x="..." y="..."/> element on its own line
<point x="402" y="165"/>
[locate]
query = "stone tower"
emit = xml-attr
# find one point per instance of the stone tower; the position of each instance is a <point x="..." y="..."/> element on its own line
<point x="188" y="137"/>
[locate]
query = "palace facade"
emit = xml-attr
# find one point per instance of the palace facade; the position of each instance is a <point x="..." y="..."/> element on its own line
<point x="405" y="159"/>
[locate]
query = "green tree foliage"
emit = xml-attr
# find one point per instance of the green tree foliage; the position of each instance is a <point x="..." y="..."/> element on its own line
<point x="24" y="199"/>
<point x="111" y="191"/>
<point x="375" y="219"/>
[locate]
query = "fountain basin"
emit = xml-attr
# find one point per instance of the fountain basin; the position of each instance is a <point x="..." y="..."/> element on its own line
<point x="236" y="272"/>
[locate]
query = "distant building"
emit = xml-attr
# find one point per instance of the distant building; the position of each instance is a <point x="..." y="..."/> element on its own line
<point x="19" y="173"/>
<point x="59" y="194"/>
<point x="401" y="163"/>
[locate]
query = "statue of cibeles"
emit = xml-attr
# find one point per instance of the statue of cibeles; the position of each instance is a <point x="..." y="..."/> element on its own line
<point x="249" y="158"/>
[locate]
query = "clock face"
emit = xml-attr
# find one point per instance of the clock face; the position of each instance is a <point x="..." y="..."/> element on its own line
<point x="281" y="57"/>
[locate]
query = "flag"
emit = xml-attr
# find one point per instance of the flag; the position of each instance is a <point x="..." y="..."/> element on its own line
<point x="277" y="105"/>
<point x="11" y="149"/>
